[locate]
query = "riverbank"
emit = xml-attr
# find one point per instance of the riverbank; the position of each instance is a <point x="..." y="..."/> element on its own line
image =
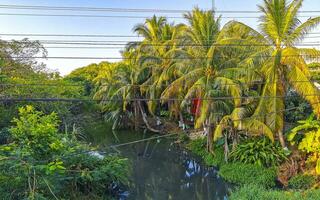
<point x="160" y="168"/>
<point x="251" y="181"/>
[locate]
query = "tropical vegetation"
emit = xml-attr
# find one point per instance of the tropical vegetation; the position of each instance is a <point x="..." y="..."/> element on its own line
<point x="245" y="94"/>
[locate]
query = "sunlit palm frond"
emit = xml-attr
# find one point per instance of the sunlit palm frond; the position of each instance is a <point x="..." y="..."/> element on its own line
<point x="304" y="87"/>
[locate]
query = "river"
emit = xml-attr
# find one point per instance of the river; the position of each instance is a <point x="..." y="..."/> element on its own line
<point x="160" y="169"/>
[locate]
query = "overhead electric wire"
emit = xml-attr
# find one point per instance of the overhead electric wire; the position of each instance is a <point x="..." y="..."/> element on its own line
<point x="121" y="16"/>
<point x="124" y="58"/>
<point x="144" y="85"/>
<point x="136" y="41"/>
<point x="89" y="16"/>
<point x="134" y="10"/>
<point x="108" y="43"/>
<point x="67" y="35"/>
<point x="114" y="146"/>
<point x="90" y="35"/>
<point x="93" y="47"/>
<point x="29" y="99"/>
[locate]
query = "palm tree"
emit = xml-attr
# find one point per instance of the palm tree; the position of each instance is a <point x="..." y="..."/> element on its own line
<point x="157" y="50"/>
<point x="279" y="63"/>
<point x="114" y="84"/>
<point x="204" y="73"/>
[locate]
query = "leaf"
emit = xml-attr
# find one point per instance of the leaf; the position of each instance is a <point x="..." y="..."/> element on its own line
<point x="318" y="166"/>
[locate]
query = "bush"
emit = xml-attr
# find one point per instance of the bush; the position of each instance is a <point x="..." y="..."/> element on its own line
<point x="259" y="152"/>
<point x="240" y="173"/>
<point x="309" y="142"/>
<point x="198" y="147"/>
<point x="5" y="136"/>
<point x="255" y="192"/>
<point x="302" y="182"/>
<point x="41" y="162"/>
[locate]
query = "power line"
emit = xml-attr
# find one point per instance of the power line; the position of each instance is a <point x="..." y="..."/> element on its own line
<point x="108" y="43"/>
<point x="124" y="58"/>
<point x="143" y="85"/>
<point x="88" y="16"/>
<point x="78" y="41"/>
<point x="131" y="41"/>
<point x="89" y="35"/>
<point x="21" y="99"/>
<point x="82" y="47"/>
<point x="258" y="117"/>
<point x="134" y="10"/>
<point x="120" y="16"/>
<point x="69" y="35"/>
<point x="88" y="47"/>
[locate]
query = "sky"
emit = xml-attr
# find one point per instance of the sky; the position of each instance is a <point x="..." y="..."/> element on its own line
<point x="110" y="26"/>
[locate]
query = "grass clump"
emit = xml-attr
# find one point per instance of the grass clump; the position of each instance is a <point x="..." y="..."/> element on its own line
<point x="256" y="192"/>
<point x="301" y="182"/>
<point x="198" y="147"/>
<point x="240" y="173"/>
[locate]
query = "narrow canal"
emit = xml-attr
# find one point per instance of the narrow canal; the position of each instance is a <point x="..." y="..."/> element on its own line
<point x="160" y="169"/>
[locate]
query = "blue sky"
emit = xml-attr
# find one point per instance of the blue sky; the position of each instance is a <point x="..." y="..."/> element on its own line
<point x="109" y="26"/>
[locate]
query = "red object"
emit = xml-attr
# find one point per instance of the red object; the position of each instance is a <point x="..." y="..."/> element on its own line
<point x="195" y="110"/>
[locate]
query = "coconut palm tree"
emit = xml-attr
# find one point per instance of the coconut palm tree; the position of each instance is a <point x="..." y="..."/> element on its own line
<point x="204" y="73"/>
<point x="157" y="50"/>
<point x="279" y="62"/>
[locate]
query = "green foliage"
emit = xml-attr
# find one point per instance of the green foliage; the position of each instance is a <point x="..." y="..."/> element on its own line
<point x="259" y="152"/>
<point x="310" y="144"/>
<point x="314" y="65"/>
<point x="41" y="162"/>
<point x="297" y="133"/>
<point x="240" y="173"/>
<point x="5" y="136"/>
<point x="198" y="147"/>
<point x="216" y="158"/>
<point x="256" y="192"/>
<point x="298" y="107"/>
<point x="183" y="138"/>
<point x="36" y="133"/>
<point x="307" y="135"/>
<point x="302" y="182"/>
<point x="315" y="70"/>
<point x="116" y="81"/>
<point x="88" y="76"/>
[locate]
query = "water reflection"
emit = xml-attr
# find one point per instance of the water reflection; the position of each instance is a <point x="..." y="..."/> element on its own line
<point x="162" y="171"/>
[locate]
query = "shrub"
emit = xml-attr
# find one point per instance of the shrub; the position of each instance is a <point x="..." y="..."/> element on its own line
<point x="198" y="147"/>
<point x="216" y="159"/>
<point x="240" y="173"/>
<point x="259" y="152"/>
<point x="302" y="182"/>
<point x="255" y="192"/>
<point x="41" y="162"/>
<point x="309" y="141"/>
<point x="5" y="136"/>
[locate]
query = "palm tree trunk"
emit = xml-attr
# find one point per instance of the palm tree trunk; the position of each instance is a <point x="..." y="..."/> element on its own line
<point x="281" y="139"/>
<point x="136" y="115"/>
<point x="209" y="136"/>
<point x="146" y="120"/>
<point x="226" y="148"/>
<point x="235" y="138"/>
<point x="182" y="120"/>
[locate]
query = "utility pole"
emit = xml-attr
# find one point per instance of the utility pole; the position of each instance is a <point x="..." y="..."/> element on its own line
<point x="213" y="5"/>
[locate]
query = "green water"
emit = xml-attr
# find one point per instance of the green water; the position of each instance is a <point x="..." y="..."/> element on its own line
<point x="161" y="170"/>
